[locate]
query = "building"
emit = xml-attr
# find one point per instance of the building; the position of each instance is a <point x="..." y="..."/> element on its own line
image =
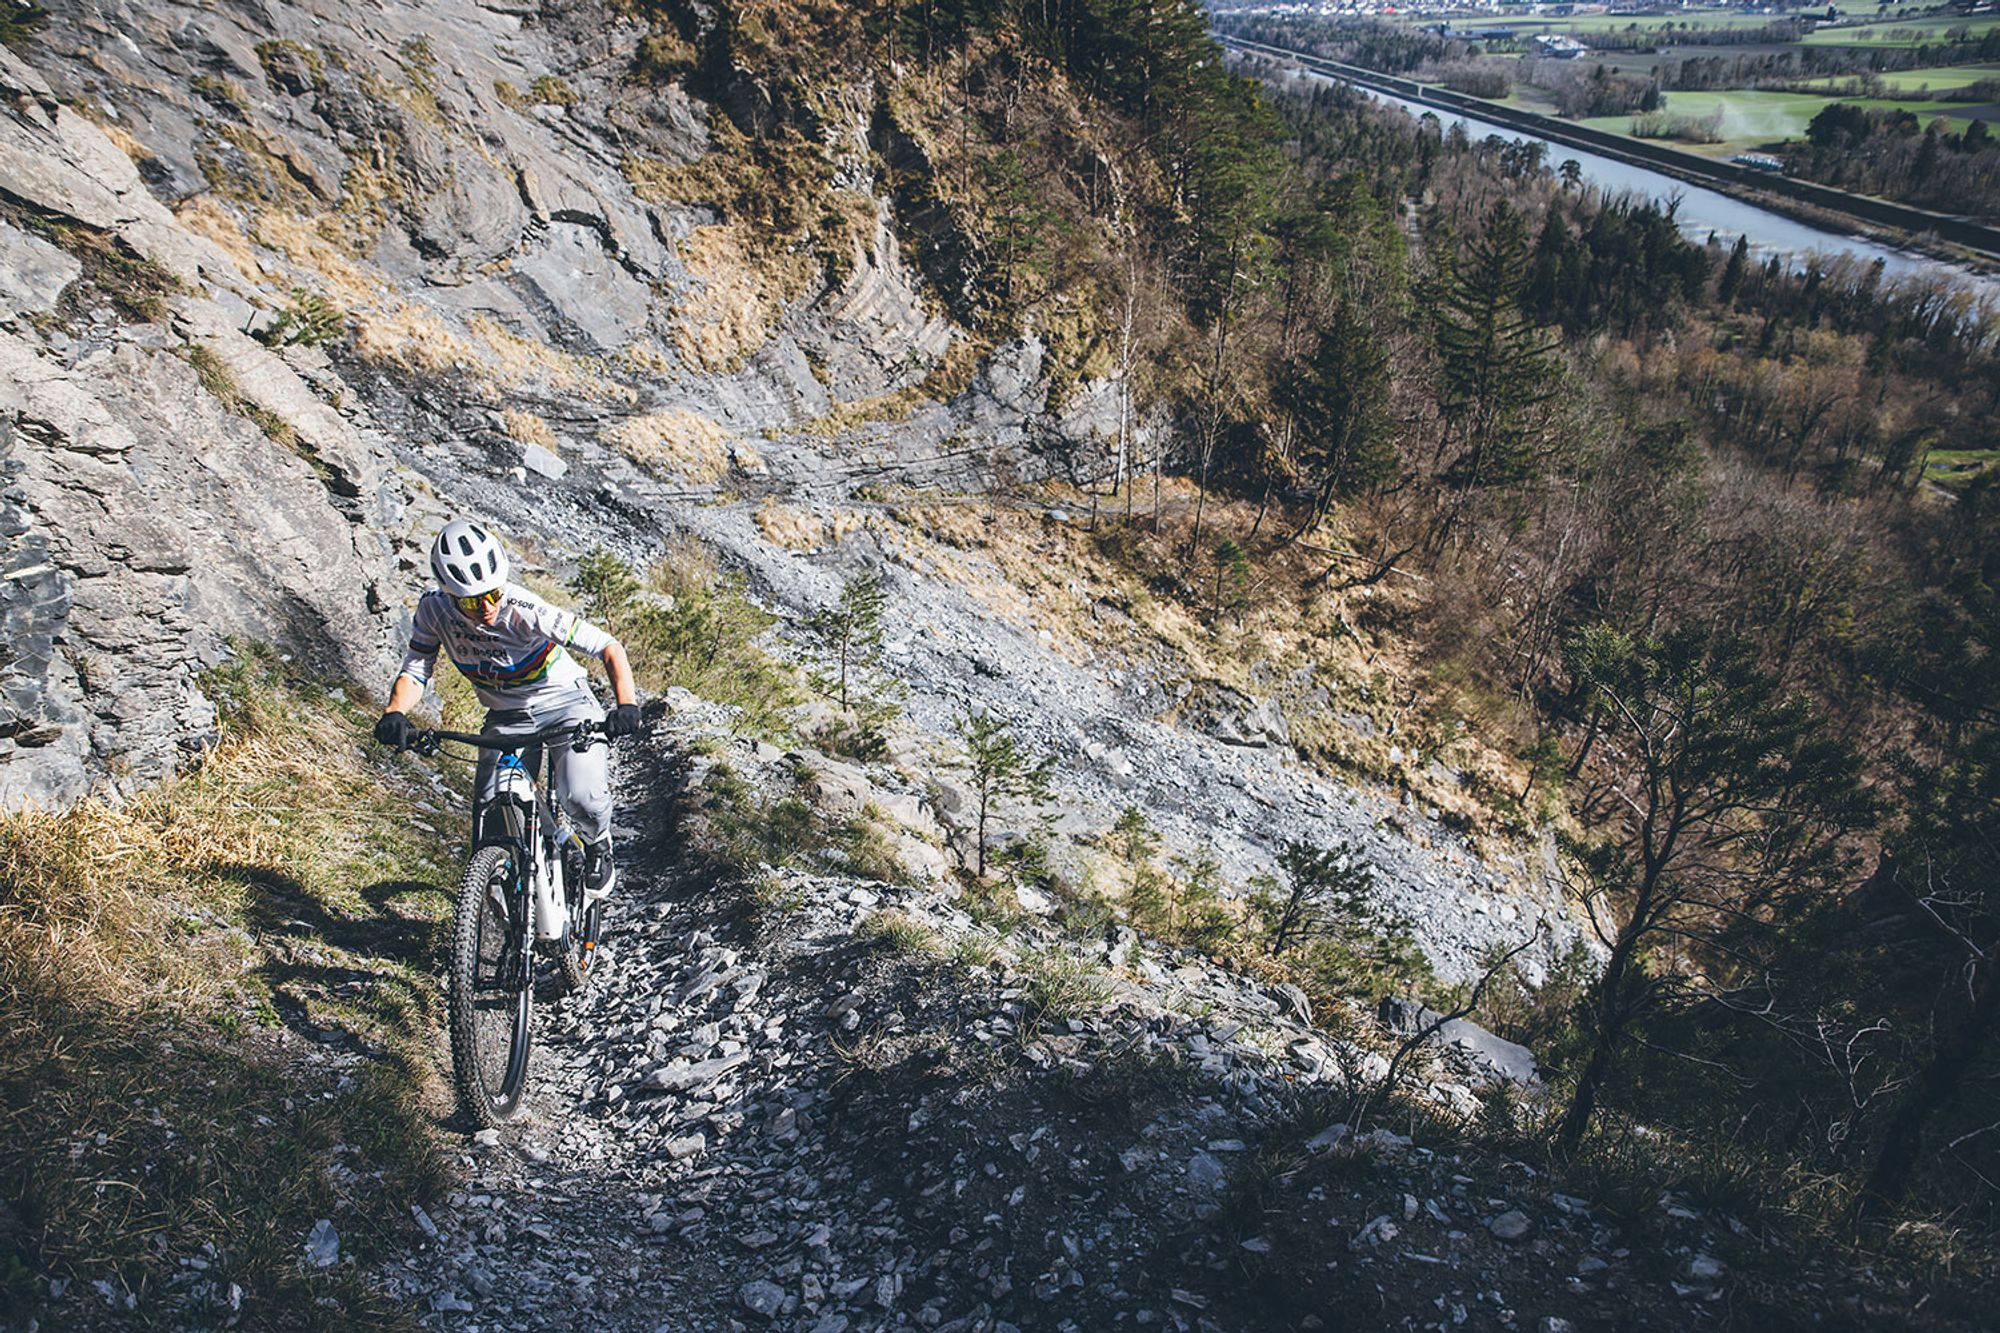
<point x="1556" y="46"/>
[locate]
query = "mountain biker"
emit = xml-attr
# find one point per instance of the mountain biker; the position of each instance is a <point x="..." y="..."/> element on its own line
<point x="512" y="646"/>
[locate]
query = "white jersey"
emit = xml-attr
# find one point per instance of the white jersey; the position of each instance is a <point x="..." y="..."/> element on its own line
<point x="516" y="662"/>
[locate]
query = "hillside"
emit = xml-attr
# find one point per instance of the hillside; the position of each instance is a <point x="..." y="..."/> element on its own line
<point x="720" y="313"/>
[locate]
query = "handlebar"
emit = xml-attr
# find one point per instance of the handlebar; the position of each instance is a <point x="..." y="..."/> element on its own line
<point x="582" y="735"/>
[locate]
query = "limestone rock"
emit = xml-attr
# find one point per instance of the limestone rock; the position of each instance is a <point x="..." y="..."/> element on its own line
<point x="1494" y="1058"/>
<point x="33" y="273"/>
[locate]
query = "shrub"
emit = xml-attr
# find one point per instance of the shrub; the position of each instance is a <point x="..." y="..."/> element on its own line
<point x="746" y="833"/>
<point x="310" y="320"/>
<point x="690" y="624"/>
<point x="1062" y="986"/>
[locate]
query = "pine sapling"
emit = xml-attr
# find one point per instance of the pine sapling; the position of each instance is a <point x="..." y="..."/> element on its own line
<point x="1001" y="769"/>
<point x="848" y="635"/>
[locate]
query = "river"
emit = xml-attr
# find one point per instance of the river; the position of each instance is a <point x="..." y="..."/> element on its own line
<point x="1702" y="211"/>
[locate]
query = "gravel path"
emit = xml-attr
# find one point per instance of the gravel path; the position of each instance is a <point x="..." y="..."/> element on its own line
<point x="766" y="1111"/>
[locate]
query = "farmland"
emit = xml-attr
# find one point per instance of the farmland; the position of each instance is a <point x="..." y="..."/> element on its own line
<point x="1898" y="32"/>
<point x="1944" y="79"/>
<point x="1720" y="82"/>
<point x="1748" y="120"/>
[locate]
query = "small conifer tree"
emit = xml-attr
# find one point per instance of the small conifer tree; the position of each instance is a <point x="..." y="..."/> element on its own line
<point x="1001" y="769"/>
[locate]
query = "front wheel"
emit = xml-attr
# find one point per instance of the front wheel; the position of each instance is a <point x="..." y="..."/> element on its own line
<point x="490" y="1004"/>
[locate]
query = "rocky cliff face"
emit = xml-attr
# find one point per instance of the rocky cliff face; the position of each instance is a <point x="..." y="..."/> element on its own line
<point x="147" y="515"/>
<point x="287" y="284"/>
<point x="193" y="193"/>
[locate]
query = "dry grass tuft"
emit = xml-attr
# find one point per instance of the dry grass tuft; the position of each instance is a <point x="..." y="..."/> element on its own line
<point x="644" y="357"/>
<point x="413" y="337"/>
<point x="789" y="528"/>
<point x="515" y="360"/>
<point x="527" y="428"/>
<point x="742" y="293"/>
<point x="897" y="405"/>
<point x="677" y="442"/>
<point x="316" y="245"/>
<point x="962" y="525"/>
<point x="125" y="141"/>
<point x="203" y="216"/>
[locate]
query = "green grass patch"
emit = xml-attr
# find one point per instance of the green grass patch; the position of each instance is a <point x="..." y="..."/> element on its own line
<point x="900" y="933"/>
<point x="1944" y="78"/>
<point x="1905" y="32"/>
<point x="1742" y="120"/>
<point x="166" y="966"/>
<point x="1061" y="986"/>
<point x="1954" y="468"/>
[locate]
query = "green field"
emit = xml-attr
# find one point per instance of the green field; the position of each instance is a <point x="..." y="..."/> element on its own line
<point x="1693" y="21"/>
<point x="1942" y="79"/>
<point x="1754" y="119"/>
<point x="1954" y="468"/>
<point x="1901" y="32"/>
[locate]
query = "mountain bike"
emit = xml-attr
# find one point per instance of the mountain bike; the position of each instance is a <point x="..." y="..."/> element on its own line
<point x="521" y="922"/>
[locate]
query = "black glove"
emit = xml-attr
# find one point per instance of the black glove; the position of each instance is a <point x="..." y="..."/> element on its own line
<point x="393" y="730"/>
<point x="622" y="720"/>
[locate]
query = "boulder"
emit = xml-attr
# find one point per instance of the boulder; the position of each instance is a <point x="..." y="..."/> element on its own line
<point x="1478" y="1052"/>
<point x="838" y="788"/>
<point x="543" y="462"/>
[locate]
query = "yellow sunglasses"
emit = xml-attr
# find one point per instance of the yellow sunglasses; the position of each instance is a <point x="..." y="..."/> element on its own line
<point x="477" y="602"/>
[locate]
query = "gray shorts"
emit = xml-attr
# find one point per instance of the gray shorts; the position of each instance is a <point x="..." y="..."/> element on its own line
<point x="583" y="781"/>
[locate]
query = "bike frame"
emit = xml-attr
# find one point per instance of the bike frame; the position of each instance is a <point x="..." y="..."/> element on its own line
<point x="531" y="836"/>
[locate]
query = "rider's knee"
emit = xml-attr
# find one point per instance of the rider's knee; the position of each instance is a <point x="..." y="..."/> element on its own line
<point x="590" y="807"/>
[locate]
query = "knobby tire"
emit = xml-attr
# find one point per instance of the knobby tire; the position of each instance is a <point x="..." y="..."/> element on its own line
<point x="490" y="1016"/>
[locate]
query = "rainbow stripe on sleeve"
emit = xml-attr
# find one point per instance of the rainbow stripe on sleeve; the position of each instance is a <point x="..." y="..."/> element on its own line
<point x="530" y="670"/>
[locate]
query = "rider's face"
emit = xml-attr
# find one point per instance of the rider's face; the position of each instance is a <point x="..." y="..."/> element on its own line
<point x="483" y="612"/>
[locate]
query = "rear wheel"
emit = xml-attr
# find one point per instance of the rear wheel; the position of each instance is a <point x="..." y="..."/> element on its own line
<point x="490" y="1006"/>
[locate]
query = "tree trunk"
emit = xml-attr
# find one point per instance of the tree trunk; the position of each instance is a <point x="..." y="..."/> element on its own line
<point x="1584" y="1100"/>
<point x="1934" y="1090"/>
<point x="1613" y="1013"/>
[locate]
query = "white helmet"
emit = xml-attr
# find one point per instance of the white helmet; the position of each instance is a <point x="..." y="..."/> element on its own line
<point x="467" y="559"/>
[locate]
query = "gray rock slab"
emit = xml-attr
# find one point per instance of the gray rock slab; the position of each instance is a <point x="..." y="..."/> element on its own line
<point x="585" y="287"/>
<point x="33" y="273"/>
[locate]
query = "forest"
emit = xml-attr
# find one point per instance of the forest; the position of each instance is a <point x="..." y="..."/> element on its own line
<point x="1672" y="504"/>
<point x="1888" y="153"/>
<point x="1674" y="513"/>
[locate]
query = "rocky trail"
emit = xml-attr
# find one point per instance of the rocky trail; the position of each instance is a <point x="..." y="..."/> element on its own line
<point x="833" y="1104"/>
